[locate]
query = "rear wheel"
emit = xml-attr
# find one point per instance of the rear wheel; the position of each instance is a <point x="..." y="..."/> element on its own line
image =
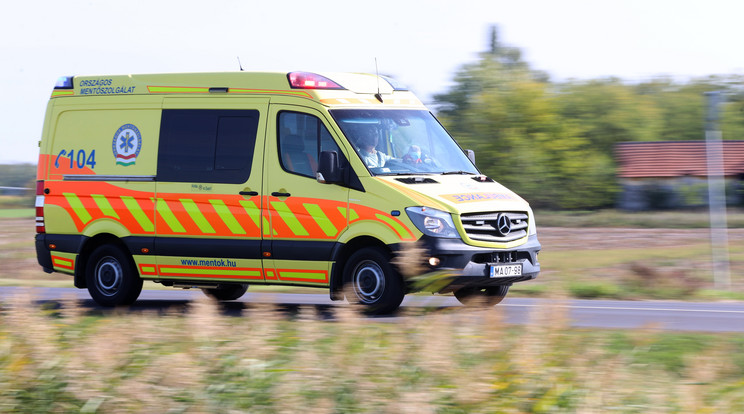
<point x="111" y="277"/>
<point x="226" y="292"/>
<point x="489" y="296"/>
<point x="373" y="281"/>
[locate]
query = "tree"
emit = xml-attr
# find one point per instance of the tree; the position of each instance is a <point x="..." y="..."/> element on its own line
<point x="607" y="112"/>
<point x="510" y="115"/>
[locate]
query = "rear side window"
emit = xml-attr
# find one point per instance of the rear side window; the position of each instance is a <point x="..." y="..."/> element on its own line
<point x="301" y="138"/>
<point x="204" y="145"/>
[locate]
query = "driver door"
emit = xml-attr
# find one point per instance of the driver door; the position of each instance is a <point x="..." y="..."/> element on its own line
<point x="305" y="217"/>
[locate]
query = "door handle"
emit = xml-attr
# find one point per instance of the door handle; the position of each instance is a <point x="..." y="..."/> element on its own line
<point x="248" y="193"/>
<point x="277" y="194"/>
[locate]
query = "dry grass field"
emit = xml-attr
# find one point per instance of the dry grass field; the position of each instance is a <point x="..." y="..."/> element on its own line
<point x="64" y="359"/>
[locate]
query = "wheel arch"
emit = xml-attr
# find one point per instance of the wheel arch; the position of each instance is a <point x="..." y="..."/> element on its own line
<point x="341" y="255"/>
<point x="88" y="247"/>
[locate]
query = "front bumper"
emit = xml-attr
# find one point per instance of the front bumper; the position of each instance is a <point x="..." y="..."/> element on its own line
<point x="470" y="265"/>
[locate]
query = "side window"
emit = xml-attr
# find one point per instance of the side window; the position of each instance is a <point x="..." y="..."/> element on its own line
<point x="301" y="138"/>
<point x="204" y="145"/>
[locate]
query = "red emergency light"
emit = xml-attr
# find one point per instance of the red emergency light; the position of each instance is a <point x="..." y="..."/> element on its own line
<point x="307" y="80"/>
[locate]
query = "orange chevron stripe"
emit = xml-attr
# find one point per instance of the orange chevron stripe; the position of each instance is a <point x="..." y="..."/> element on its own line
<point x="331" y="209"/>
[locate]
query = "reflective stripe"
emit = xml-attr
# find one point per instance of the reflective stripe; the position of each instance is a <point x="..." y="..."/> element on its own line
<point x="240" y="91"/>
<point x="400" y="229"/>
<point x="138" y="214"/>
<point x="170" y="219"/>
<point x="77" y="207"/>
<point x="178" y="89"/>
<point x="63" y="263"/>
<point x="211" y="272"/>
<point x="227" y="217"/>
<point x="193" y="210"/>
<point x="270" y="92"/>
<point x="288" y="217"/>
<point x="267" y="226"/>
<point x="253" y="211"/>
<point x="325" y="224"/>
<point x="296" y="275"/>
<point x="103" y="203"/>
<point x="353" y="215"/>
<point x="214" y="214"/>
<point x="57" y="93"/>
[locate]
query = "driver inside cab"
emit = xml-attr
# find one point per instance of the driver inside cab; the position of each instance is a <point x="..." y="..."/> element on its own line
<point x="368" y="149"/>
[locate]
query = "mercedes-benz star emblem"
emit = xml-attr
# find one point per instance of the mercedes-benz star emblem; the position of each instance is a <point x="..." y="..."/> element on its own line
<point x="503" y="224"/>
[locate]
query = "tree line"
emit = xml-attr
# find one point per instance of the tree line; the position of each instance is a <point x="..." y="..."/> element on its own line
<point x="18" y="175"/>
<point x="552" y="142"/>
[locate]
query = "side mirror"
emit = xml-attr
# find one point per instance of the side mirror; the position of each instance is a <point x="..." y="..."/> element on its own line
<point x="328" y="169"/>
<point x="471" y="155"/>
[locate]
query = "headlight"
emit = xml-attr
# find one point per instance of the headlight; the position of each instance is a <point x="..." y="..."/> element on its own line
<point x="533" y="226"/>
<point x="433" y="222"/>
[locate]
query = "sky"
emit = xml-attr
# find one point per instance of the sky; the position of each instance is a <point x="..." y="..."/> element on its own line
<point x="421" y="43"/>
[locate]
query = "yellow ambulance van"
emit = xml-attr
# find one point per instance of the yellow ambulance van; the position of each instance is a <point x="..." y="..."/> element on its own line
<point x="222" y="180"/>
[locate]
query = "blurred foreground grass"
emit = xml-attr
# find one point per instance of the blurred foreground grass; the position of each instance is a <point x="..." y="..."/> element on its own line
<point x="64" y="360"/>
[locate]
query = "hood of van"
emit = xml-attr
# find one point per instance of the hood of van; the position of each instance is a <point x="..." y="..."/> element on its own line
<point x="458" y="193"/>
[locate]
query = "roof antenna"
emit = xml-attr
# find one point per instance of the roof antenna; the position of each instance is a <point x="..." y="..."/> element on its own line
<point x="377" y="72"/>
<point x="240" y="65"/>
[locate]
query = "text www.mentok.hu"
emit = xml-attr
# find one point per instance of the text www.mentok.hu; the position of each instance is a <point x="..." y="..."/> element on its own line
<point x="212" y="263"/>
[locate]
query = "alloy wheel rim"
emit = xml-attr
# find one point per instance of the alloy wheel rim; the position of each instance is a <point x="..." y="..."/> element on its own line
<point x="369" y="281"/>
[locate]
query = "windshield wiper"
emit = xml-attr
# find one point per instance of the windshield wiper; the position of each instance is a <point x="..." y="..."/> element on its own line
<point x="405" y="173"/>
<point x="457" y="172"/>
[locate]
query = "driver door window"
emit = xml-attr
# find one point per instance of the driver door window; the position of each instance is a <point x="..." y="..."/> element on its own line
<point x="301" y="139"/>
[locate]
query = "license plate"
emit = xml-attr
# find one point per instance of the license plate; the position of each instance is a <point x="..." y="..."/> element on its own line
<point x="506" y="270"/>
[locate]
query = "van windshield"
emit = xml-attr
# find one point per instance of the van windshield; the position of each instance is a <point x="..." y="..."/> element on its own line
<point x="401" y="142"/>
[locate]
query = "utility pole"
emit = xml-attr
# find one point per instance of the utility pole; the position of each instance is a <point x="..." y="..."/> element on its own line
<point x="717" y="193"/>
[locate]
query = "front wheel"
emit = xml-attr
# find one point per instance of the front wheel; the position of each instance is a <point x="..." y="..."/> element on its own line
<point x="373" y="281"/>
<point x="489" y="296"/>
<point x="111" y="277"/>
<point x="226" y="292"/>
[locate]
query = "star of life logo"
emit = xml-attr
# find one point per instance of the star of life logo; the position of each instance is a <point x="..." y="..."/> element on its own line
<point x="127" y="144"/>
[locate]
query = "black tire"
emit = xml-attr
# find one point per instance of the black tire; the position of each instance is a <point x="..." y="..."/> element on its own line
<point x="485" y="297"/>
<point x="373" y="282"/>
<point x="111" y="277"/>
<point x="230" y="291"/>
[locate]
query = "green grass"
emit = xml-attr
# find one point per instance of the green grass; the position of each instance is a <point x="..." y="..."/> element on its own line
<point x="17" y="212"/>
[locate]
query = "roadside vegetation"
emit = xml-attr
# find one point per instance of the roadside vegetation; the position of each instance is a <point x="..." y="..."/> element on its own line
<point x="669" y="219"/>
<point x="552" y="141"/>
<point x="62" y="359"/>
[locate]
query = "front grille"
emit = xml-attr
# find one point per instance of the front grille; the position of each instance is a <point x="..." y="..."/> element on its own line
<point x="485" y="226"/>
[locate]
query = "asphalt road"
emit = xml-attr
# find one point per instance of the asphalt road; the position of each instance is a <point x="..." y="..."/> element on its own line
<point x="659" y="315"/>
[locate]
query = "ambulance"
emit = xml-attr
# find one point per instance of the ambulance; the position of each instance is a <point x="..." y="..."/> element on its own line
<point x="219" y="181"/>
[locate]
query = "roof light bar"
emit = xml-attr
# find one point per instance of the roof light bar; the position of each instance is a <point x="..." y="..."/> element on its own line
<point x="64" y="82"/>
<point x="307" y="80"/>
<point x="396" y="84"/>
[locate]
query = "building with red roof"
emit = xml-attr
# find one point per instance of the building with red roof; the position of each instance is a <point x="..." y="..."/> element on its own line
<point x="674" y="174"/>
